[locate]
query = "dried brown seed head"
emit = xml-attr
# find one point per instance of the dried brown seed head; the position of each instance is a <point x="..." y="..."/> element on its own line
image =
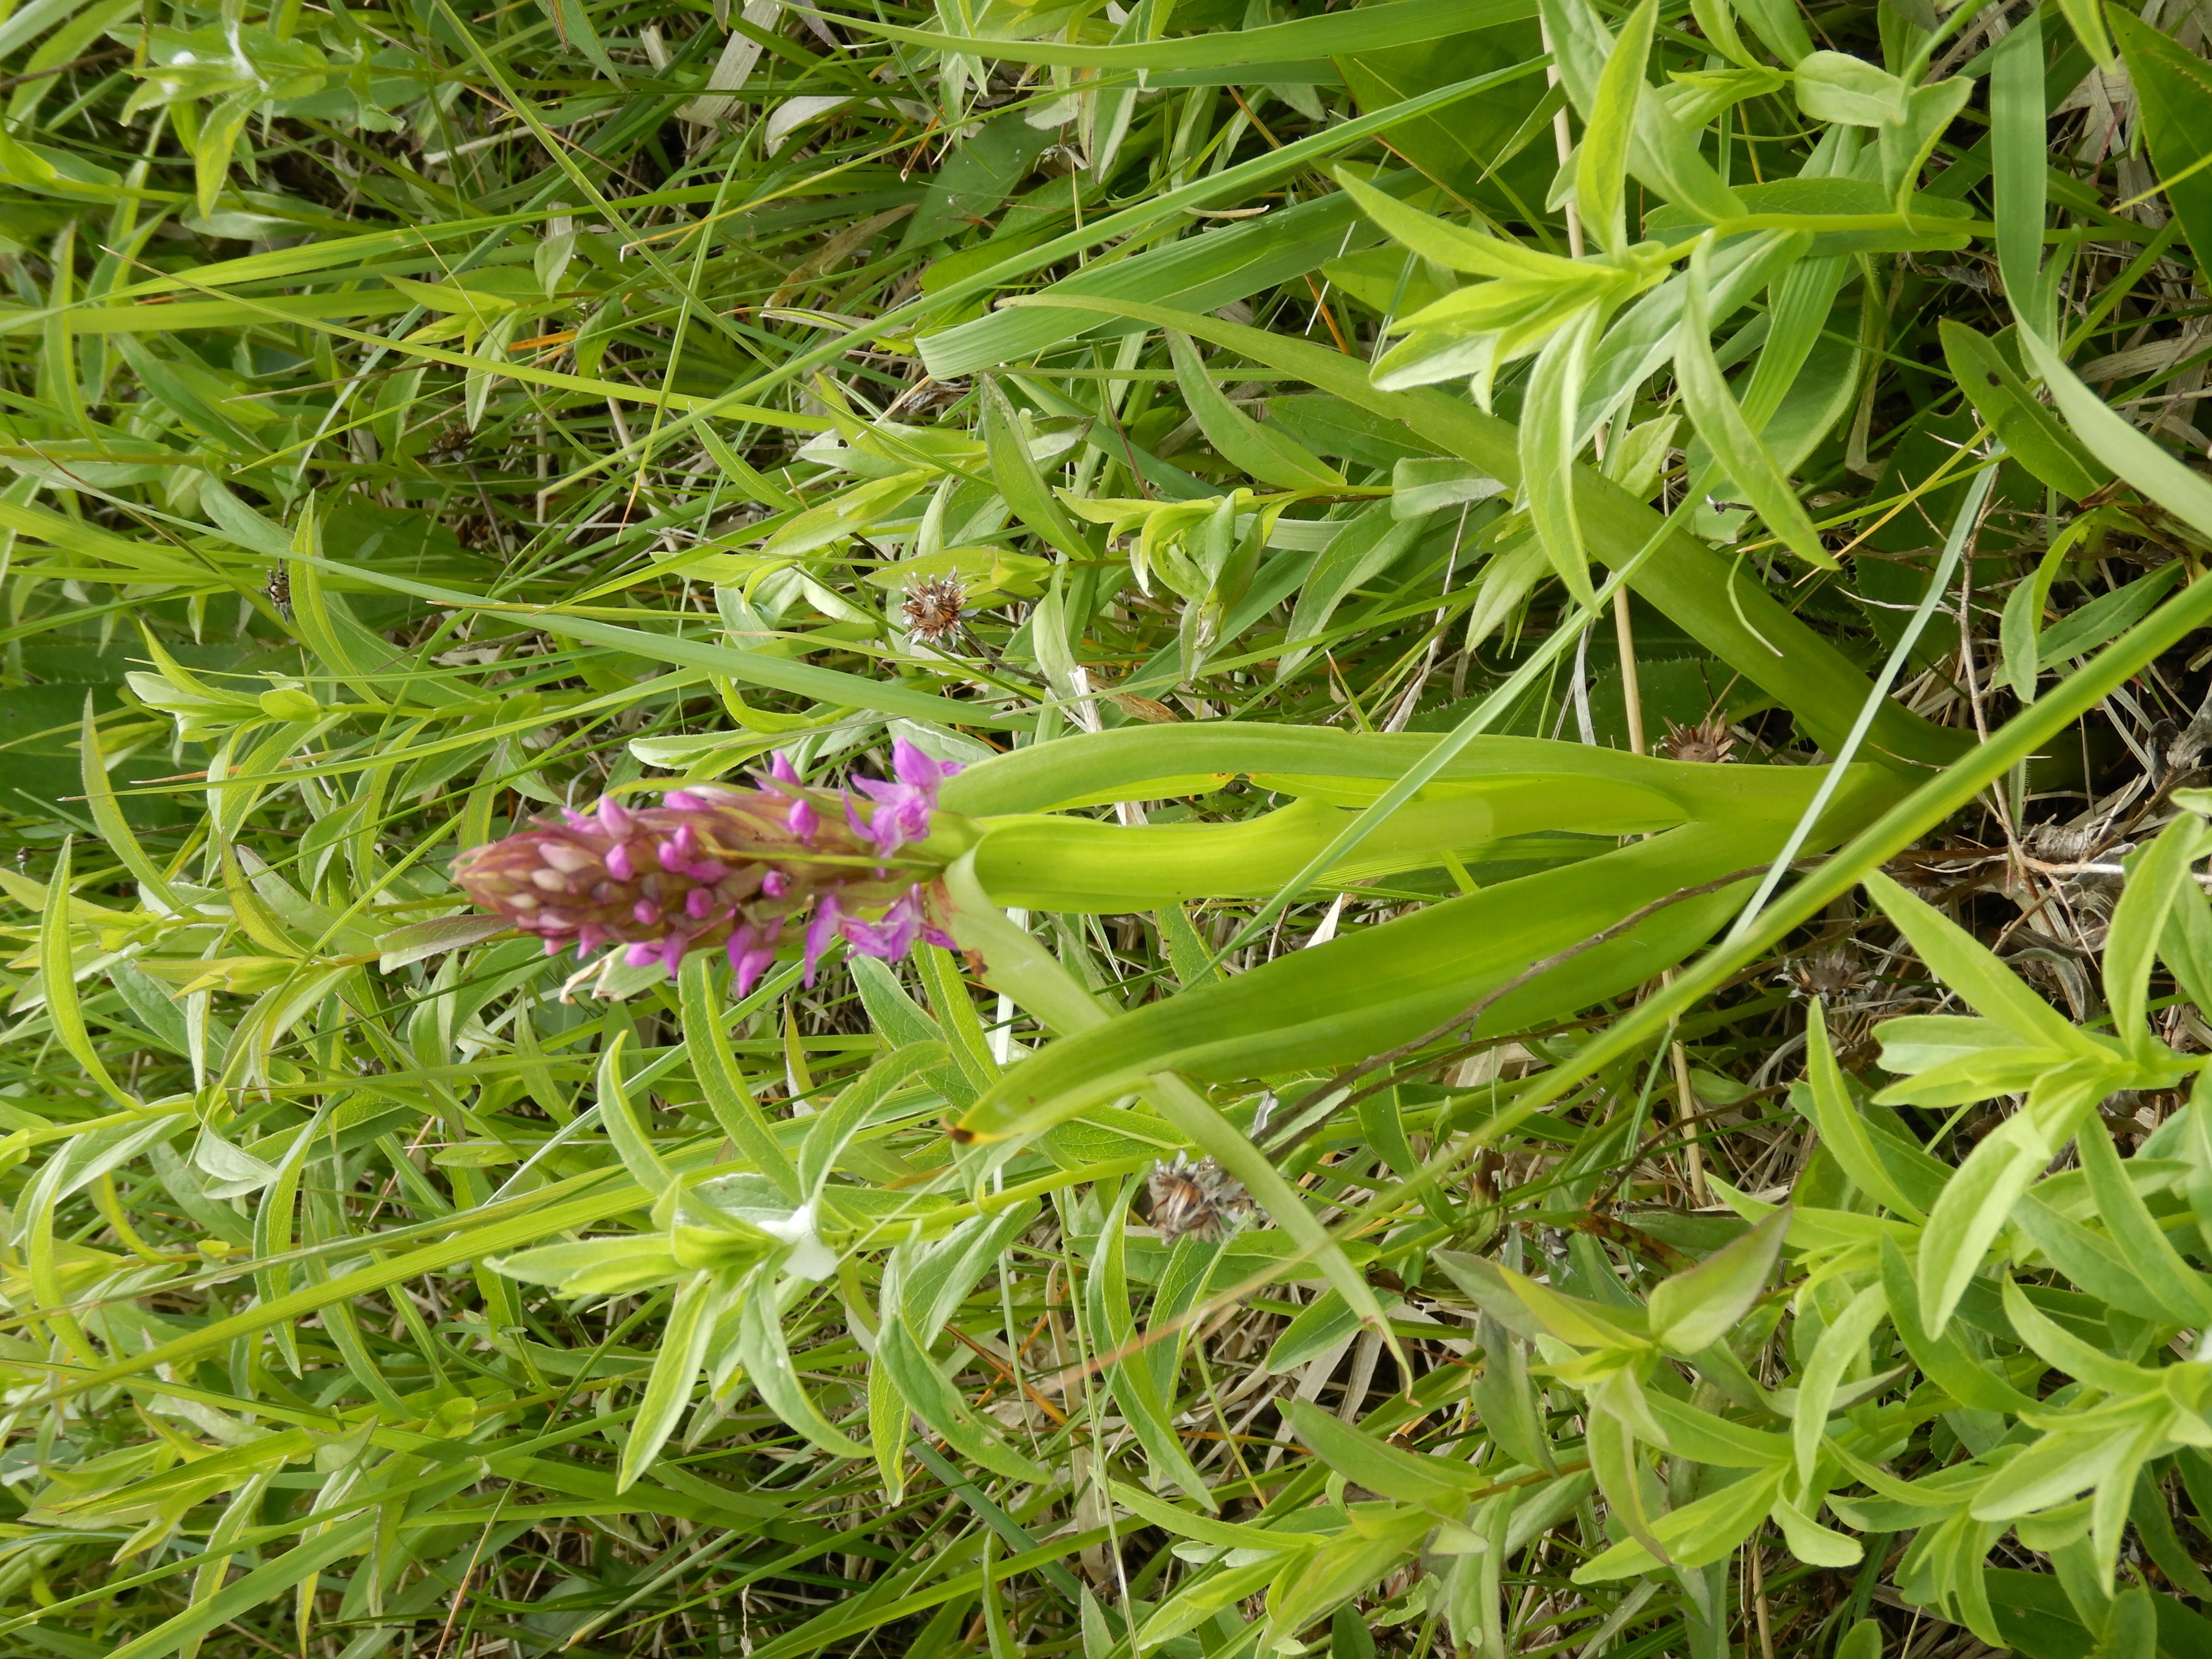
<point x="932" y="607"/>
<point x="1708" y="743"/>
<point x="1200" y="1200"/>
<point x="1828" y="974"/>
<point x="450" y="445"/>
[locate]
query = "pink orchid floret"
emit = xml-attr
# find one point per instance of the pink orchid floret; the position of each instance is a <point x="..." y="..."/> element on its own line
<point x="904" y="806"/>
<point x="892" y="935"/>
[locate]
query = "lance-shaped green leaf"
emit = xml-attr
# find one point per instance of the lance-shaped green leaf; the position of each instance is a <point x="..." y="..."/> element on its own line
<point x="1145" y="1406"/>
<point x="1977" y="1203"/>
<point x="2161" y="1541"/>
<point x="834" y="1128"/>
<point x="1721" y="424"/>
<point x="1548" y="448"/>
<point x="1199" y="1599"/>
<point x="1694" y="1535"/>
<point x="2091" y="1261"/>
<point x="770" y="1369"/>
<point x="1476" y="1585"/>
<point x="596" y="1267"/>
<point x="844" y="515"/>
<point x="1804" y="304"/>
<point x="2030" y="434"/>
<point x="1623" y="1474"/>
<point x="1602" y="169"/>
<point x="2141" y="1240"/>
<point x="1699" y="1436"/>
<point x="1265" y="453"/>
<point x="948" y="1270"/>
<point x="57" y="980"/>
<point x="1907" y="119"/>
<point x="2059" y="1465"/>
<point x="2020" y="630"/>
<point x="1717" y="22"/>
<point x="933" y="1398"/>
<point x="2173" y="92"/>
<point x="1840" y="1345"/>
<point x="1454" y="247"/>
<point x="1210" y="1529"/>
<point x="2087" y="18"/>
<point x="1662" y="153"/>
<point x="1535" y="1310"/>
<point x="631" y="1143"/>
<point x="1015" y="961"/>
<point x="1505" y="1395"/>
<point x="1017" y="477"/>
<point x="2119" y="446"/>
<point x="1777" y="23"/>
<point x="2083" y="630"/>
<point x="115" y="831"/>
<point x="956" y="1016"/>
<point x="573" y="22"/>
<point x="1843" y="1131"/>
<point x="2155" y="877"/>
<point x="1365" y="548"/>
<point x="1971" y="1381"/>
<point x="715" y="1064"/>
<point x="1815" y="1545"/>
<point x="889" y="1421"/>
<point x="273" y="1218"/>
<point x="2186" y="946"/>
<point x="1694" y="1309"/>
<point x="1945" y="1059"/>
<point x="2020" y="163"/>
<point x="2132" y="1628"/>
<point x="691" y="1322"/>
<point x="1435" y="1483"/>
<point x="1972" y="970"/>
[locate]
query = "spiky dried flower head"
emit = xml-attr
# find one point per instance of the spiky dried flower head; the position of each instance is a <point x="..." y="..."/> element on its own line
<point x="1202" y="1199"/>
<point x="714" y="865"/>
<point x="932" y="608"/>
<point x="450" y="445"/>
<point x="1706" y="744"/>
<point x="1829" y="975"/>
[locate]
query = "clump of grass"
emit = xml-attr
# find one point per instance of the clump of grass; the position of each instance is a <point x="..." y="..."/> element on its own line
<point x="424" y="419"/>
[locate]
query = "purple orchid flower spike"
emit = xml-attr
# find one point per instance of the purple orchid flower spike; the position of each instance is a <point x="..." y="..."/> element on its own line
<point x="715" y="865"/>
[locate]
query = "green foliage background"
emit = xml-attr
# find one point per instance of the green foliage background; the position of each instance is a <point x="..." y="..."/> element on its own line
<point x="1750" y="1196"/>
